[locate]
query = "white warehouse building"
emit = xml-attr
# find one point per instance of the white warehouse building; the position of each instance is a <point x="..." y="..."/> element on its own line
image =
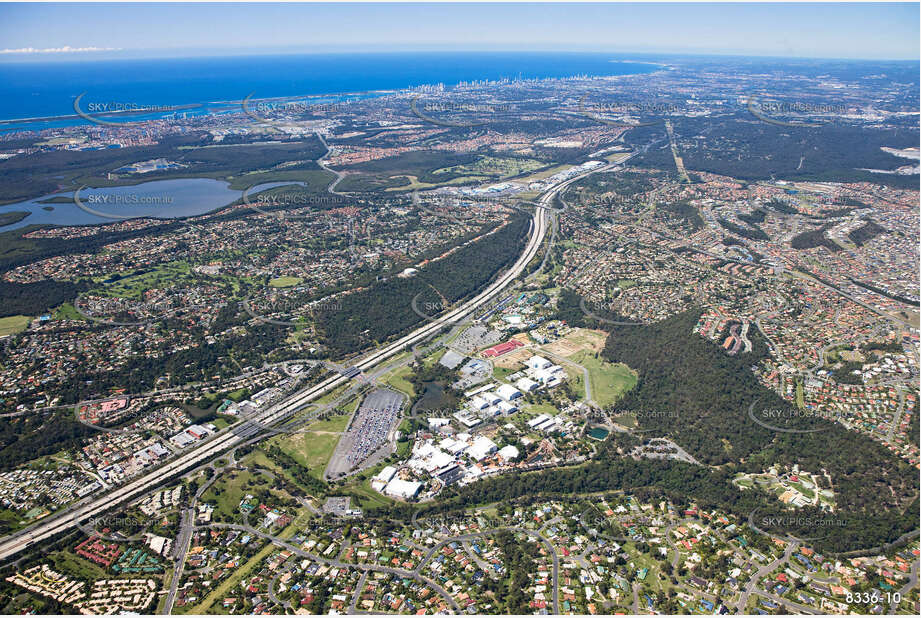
<point x="536" y="363"/>
<point x="527" y="385"/>
<point x="481" y="448"/>
<point x="508" y="392"/>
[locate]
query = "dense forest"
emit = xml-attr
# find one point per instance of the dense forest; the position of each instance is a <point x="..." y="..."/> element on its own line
<point x="781" y="206"/>
<point x="711" y="391"/>
<point x="384" y="309"/>
<point x="419" y="163"/>
<point x="865" y="233"/>
<point x="715" y="396"/>
<point x="752" y="232"/>
<point x="753" y="218"/>
<point x="902" y="299"/>
<point x="813" y="239"/>
<point x="35" y="298"/>
<point x="24" y="438"/>
<point x="683" y="210"/>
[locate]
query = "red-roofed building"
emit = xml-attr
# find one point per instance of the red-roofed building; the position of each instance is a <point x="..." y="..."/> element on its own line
<point x="502" y="348"/>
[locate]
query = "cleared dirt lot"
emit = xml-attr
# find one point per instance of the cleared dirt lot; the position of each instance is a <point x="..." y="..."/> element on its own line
<point x="576" y="340"/>
<point x="513" y="359"/>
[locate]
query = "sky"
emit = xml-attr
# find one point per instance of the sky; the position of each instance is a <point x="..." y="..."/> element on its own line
<point x="821" y="30"/>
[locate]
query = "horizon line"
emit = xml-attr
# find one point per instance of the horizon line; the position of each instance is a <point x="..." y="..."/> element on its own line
<point x="59" y="55"/>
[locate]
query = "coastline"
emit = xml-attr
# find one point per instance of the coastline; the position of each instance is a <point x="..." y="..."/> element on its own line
<point x="593" y="64"/>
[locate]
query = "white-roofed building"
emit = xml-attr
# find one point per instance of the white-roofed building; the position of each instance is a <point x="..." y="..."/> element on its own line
<point x="492" y="398"/>
<point x="507" y="408"/>
<point x="456" y="446"/>
<point x="471" y="474"/>
<point x="549" y="424"/>
<point x="477" y="402"/>
<point x="508" y="392"/>
<point x="481" y="448"/>
<point x="536" y="363"/>
<point x="398" y="488"/>
<point x="424" y="449"/>
<point x="493" y="411"/>
<point x="435" y="423"/>
<point x="438" y="459"/>
<point x="555" y="381"/>
<point x="548" y="375"/>
<point x="537" y="420"/>
<point x="387" y="474"/>
<point x="159" y="544"/>
<point x="264" y="396"/>
<point x="526" y="385"/>
<point x="508" y="453"/>
<point x="466" y="420"/>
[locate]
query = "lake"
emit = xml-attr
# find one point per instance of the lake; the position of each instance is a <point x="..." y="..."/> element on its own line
<point x="166" y="199"/>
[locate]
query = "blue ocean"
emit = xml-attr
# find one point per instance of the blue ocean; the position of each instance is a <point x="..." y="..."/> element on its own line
<point x="36" y="89"/>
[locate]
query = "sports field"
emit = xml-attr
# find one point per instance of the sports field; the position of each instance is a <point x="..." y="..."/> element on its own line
<point x="13" y="324"/>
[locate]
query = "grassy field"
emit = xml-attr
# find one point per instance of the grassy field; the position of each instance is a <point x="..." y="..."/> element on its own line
<point x="229" y="490"/>
<point x="576" y="379"/>
<point x="66" y="311"/>
<point x="367" y="497"/>
<point x="609" y="380"/>
<point x="535" y="409"/>
<point x="335" y="423"/>
<point x="617" y="157"/>
<point x="397" y="380"/>
<point x="13" y="324"/>
<point x="10" y="520"/>
<point x="135" y="284"/>
<point x="368" y="182"/>
<point x="744" y="482"/>
<point x="415" y="183"/>
<point x="590" y="340"/>
<point x="351" y="406"/>
<point x="547" y="173"/>
<point x="313" y="449"/>
<point x="285" y="282"/>
<point x="78" y="567"/>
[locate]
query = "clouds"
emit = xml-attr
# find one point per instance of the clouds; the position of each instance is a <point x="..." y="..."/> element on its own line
<point x="56" y="50"/>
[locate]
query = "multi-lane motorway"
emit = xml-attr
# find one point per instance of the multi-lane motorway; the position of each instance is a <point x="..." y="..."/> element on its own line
<point x="70" y="517"/>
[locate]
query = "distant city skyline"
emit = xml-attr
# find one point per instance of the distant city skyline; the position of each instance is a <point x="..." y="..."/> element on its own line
<point x="815" y="30"/>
